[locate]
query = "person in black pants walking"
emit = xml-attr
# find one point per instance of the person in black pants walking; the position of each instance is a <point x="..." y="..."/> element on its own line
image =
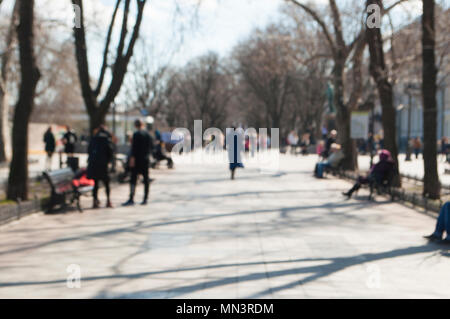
<point x="141" y="149"/>
<point x="50" y="145"/>
<point x="100" y="151"/>
<point x="69" y="140"/>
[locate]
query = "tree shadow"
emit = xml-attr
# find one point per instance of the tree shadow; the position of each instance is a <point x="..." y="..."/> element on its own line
<point x="317" y="272"/>
<point x="141" y="225"/>
<point x="331" y="266"/>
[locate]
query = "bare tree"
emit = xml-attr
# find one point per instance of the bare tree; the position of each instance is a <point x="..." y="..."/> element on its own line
<point x="264" y="63"/>
<point x="309" y="92"/>
<point x="381" y="75"/>
<point x="96" y="106"/>
<point x="203" y="89"/>
<point x="342" y="51"/>
<point x="148" y="84"/>
<point x="18" y="173"/>
<point x="432" y="187"/>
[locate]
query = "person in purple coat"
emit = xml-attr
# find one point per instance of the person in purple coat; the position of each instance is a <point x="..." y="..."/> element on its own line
<point x="377" y="173"/>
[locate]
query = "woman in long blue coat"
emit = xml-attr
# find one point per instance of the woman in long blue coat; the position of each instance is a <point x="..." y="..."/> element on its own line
<point x="235" y="148"/>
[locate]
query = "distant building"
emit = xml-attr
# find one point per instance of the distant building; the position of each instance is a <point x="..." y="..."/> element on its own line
<point x="405" y="61"/>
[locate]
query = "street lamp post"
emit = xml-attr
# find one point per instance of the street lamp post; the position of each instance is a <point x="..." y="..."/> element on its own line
<point x="372" y="131"/>
<point x="409" y="90"/>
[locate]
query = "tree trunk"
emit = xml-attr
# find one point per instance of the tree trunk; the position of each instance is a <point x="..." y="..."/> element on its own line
<point x="18" y="173"/>
<point x="344" y="137"/>
<point x="432" y="187"/>
<point x="96" y="118"/>
<point x="380" y="74"/>
<point x="343" y="116"/>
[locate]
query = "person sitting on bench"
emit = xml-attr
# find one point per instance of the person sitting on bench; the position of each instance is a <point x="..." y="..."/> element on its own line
<point x="159" y="155"/>
<point x="333" y="160"/>
<point x="377" y="173"/>
<point x="443" y="224"/>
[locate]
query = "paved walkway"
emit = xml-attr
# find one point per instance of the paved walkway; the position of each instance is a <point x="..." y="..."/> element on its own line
<point x="284" y="235"/>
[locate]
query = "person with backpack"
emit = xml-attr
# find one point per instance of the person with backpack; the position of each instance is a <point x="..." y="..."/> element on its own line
<point x="101" y="151"/>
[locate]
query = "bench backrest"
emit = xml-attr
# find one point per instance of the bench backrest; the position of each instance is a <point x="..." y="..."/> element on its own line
<point x="60" y="180"/>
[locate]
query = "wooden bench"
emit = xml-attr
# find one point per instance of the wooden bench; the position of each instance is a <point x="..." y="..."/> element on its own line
<point x="63" y="190"/>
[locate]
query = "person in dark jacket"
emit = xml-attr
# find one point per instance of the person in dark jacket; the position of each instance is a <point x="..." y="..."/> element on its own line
<point x="141" y="148"/>
<point x="377" y="174"/>
<point x="69" y="140"/>
<point x="100" y="155"/>
<point x="50" y="145"/>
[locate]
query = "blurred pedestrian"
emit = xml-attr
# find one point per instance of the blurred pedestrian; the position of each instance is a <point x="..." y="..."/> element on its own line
<point x="235" y="149"/>
<point x="378" y="173"/>
<point x="417" y="145"/>
<point x="293" y="142"/>
<point x="444" y="147"/>
<point x="333" y="161"/>
<point x="69" y="140"/>
<point x="305" y="142"/>
<point x="324" y="133"/>
<point x="160" y="155"/>
<point x="330" y="141"/>
<point x="139" y="163"/>
<point x="100" y="150"/>
<point x="50" y="145"/>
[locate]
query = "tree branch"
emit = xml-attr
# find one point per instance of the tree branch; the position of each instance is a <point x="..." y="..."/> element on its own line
<point x="337" y="24"/>
<point x="105" y="53"/>
<point x="121" y="64"/>
<point x="388" y="9"/>
<point x="321" y="23"/>
<point x="82" y="60"/>
<point x="123" y="33"/>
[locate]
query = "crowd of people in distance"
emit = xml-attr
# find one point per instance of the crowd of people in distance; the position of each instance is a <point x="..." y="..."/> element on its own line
<point x="68" y="140"/>
<point x="296" y="145"/>
<point x="143" y="146"/>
